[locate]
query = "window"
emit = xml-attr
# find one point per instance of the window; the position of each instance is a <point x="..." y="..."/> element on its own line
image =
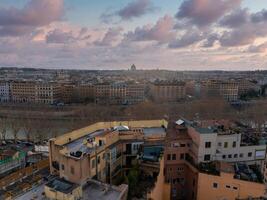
<point x="173" y="156"/>
<point x="207" y="157"/>
<point x="235" y="155"/>
<point x="182" y="145"/>
<point x="234" y="144"/>
<point x="241" y="155"/>
<point x="182" y="156"/>
<point x="169" y="157"/>
<point x="93" y="163"/>
<point x="207" y="144"/>
<point x="230" y="156"/>
<point x="227" y="186"/>
<point x="224" y="156"/>
<point x="62" y="167"/>
<point x="98" y="159"/>
<point x="235" y="188"/>
<point x="72" y="170"/>
<point x="249" y="154"/>
<point x="215" y="185"/>
<point x="225" y="144"/>
<point x="219" y="144"/>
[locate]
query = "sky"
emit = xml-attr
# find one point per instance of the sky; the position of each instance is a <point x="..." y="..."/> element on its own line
<point x="152" y="34"/>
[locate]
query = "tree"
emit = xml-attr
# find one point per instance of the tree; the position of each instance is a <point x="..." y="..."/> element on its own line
<point x="28" y="126"/>
<point x="15" y="126"/>
<point x="3" y="128"/>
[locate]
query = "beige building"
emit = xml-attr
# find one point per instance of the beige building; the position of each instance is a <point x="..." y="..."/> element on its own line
<point x="119" y="93"/>
<point x="193" y="164"/>
<point x="47" y="92"/>
<point x="163" y="91"/>
<point x="193" y="152"/>
<point x="226" y="89"/>
<point x="84" y="93"/>
<point x="35" y="92"/>
<point x="23" y="91"/>
<point x="224" y="186"/>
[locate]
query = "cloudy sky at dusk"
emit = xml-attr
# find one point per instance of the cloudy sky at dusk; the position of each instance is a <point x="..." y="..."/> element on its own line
<point x="113" y="34"/>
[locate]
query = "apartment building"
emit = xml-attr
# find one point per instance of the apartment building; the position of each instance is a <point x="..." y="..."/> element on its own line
<point x="47" y="92"/>
<point x="119" y="93"/>
<point x="67" y="92"/>
<point x="245" y="85"/>
<point x="166" y="91"/>
<point x="229" y="90"/>
<point x="103" y="151"/>
<point x="102" y="92"/>
<point x="135" y="93"/>
<point x="35" y="92"/>
<point x="194" y="152"/>
<point x="23" y="91"/>
<point x="84" y="93"/>
<point x="5" y="94"/>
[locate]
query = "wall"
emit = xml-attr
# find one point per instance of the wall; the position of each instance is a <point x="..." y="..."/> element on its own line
<point x="162" y="190"/>
<point x="238" y="188"/>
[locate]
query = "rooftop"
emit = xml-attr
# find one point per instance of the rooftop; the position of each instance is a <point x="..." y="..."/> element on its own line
<point x="84" y="132"/>
<point x="101" y="191"/>
<point x="62" y="185"/>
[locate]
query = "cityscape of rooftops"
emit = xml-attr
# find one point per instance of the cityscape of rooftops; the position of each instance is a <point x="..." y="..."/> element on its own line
<point x="133" y="100"/>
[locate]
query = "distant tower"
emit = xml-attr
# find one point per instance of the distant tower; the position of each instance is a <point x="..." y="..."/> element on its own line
<point x="133" y="68"/>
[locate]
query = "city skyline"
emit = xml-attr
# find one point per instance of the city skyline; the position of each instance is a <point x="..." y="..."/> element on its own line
<point x="174" y="35"/>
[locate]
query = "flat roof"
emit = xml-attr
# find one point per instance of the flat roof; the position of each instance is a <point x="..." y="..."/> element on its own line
<point x="74" y="135"/>
<point x="154" y="131"/>
<point x="77" y="145"/>
<point x="100" y="191"/>
<point x="62" y="185"/>
<point x="202" y="130"/>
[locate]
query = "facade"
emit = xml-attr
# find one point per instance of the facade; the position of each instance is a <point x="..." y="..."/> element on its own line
<point x="200" y="157"/>
<point x="84" y="93"/>
<point x="135" y="93"/>
<point x="119" y="93"/>
<point x="195" y="150"/>
<point x="5" y="92"/>
<point x="229" y="89"/>
<point x="225" y="186"/>
<point x="103" y="151"/>
<point x="245" y="85"/>
<point x="35" y="92"/>
<point x="47" y="93"/>
<point x="23" y="91"/>
<point x="102" y="92"/>
<point x="164" y="91"/>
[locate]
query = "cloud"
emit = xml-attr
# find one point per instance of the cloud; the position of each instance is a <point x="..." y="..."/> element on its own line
<point x="36" y="13"/>
<point x="210" y="40"/>
<point x="262" y="48"/>
<point x="188" y="38"/>
<point x="243" y="35"/>
<point x="161" y="32"/>
<point x="235" y="19"/>
<point x="59" y="36"/>
<point x="134" y="9"/>
<point x="259" y="16"/>
<point x="205" y="12"/>
<point x="110" y="37"/>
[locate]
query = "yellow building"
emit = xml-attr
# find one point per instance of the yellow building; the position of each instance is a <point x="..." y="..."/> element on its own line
<point x="34" y="92"/>
<point x="225" y="186"/>
<point x="163" y="91"/>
